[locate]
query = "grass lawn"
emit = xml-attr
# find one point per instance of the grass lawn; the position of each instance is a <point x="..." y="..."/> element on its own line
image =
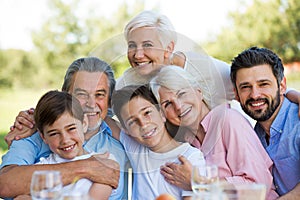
<point x="11" y="103"/>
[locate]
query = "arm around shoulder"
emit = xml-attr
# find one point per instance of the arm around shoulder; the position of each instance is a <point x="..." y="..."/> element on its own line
<point x="15" y="180"/>
<point x="294" y="96"/>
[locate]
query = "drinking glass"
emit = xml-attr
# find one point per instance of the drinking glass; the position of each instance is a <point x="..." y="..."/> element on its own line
<point x="251" y="191"/>
<point x="46" y="185"/>
<point x="204" y="178"/>
<point x="77" y="197"/>
<point x="243" y="191"/>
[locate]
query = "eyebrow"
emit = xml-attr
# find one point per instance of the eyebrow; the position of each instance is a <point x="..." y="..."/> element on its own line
<point x="53" y="130"/>
<point x="82" y="90"/>
<point x="142" y="41"/>
<point x="165" y="101"/>
<point x="139" y="112"/>
<point x="259" y="81"/>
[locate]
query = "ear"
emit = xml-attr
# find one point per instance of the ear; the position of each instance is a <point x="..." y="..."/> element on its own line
<point x="85" y="123"/>
<point x="126" y="131"/>
<point x="199" y="92"/>
<point x="43" y="137"/>
<point x="236" y="94"/>
<point x="169" y="50"/>
<point x="283" y="86"/>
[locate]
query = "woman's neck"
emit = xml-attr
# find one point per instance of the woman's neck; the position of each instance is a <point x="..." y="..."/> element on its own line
<point x="194" y="128"/>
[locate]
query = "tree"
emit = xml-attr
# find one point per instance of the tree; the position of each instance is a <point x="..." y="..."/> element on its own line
<point x="272" y="24"/>
<point x="66" y="36"/>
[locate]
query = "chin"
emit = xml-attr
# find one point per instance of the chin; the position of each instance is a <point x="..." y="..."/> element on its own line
<point x="143" y="73"/>
<point x="95" y="126"/>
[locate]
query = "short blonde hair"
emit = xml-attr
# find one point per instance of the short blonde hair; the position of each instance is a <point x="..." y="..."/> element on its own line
<point x="149" y="18"/>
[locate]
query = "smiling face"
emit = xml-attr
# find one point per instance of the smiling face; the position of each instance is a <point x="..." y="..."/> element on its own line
<point x="92" y="91"/>
<point x="145" y="51"/>
<point x="65" y="136"/>
<point x="144" y="123"/>
<point x="182" y="107"/>
<point x="258" y="92"/>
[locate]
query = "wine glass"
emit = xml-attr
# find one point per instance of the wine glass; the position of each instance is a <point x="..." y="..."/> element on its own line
<point x="204" y="178"/>
<point x="46" y="184"/>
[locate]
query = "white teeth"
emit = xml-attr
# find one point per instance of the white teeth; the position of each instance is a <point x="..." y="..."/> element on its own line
<point x="68" y="148"/>
<point x="257" y="104"/>
<point x="185" y="112"/>
<point x="91" y="114"/>
<point x="142" y="63"/>
<point x="150" y="133"/>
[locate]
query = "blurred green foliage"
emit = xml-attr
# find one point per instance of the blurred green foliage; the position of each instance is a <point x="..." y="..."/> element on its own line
<point x="68" y="35"/>
<point x="273" y="24"/>
<point x="3" y="145"/>
<point x="64" y="37"/>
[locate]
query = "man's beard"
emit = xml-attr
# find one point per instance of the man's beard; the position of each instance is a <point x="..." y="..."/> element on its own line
<point x="96" y="127"/>
<point x="260" y="115"/>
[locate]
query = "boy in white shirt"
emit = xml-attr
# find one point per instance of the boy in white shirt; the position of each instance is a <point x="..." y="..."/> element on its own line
<point x="147" y="142"/>
<point x="61" y="123"/>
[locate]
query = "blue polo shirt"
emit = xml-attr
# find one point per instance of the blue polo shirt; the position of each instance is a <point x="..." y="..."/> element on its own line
<point x="284" y="146"/>
<point x="29" y="151"/>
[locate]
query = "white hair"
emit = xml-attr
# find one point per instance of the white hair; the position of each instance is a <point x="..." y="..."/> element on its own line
<point x="149" y="18"/>
<point x="173" y="78"/>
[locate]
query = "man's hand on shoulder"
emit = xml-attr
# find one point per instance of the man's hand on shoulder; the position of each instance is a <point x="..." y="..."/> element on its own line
<point x="23" y="127"/>
<point x="115" y="127"/>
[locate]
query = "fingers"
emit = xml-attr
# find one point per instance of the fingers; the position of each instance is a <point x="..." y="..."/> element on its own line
<point x="25" y="118"/>
<point x="166" y="170"/>
<point x="168" y="175"/>
<point x="31" y="111"/>
<point x="17" y="134"/>
<point x="9" y="138"/>
<point x="104" y="159"/>
<point x="183" y="159"/>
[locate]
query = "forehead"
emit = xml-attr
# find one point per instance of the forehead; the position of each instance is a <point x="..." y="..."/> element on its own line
<point x="143" y="34"/>
<point x="90" y="81"/>
<point x="254" y="74"/>
<point x="65" y="119"/>
<point x="163" y="91"/>
<point x="135" y="105"/>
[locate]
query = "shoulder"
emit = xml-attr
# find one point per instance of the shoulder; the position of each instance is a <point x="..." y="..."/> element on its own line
<point x="194" y="155"/>
<point x="114" y="127"/>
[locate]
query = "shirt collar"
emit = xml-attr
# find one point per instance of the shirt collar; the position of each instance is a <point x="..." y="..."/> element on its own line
<point x="279" y="121"/>
<point x="104" y="128"/>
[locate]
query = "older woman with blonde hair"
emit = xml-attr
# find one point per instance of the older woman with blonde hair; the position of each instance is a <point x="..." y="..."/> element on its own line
<point x="224" y="136"/>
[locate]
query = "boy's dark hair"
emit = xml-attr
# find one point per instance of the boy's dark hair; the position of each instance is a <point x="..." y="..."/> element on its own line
<point x="257" y="56"/>
<point x="124" y="95"/>
<point x="52" y="105"/>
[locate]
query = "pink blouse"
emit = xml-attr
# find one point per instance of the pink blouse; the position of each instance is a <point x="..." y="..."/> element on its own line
<point x="231" y="143"/>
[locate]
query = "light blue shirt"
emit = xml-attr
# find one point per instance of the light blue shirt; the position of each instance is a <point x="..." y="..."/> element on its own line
<point x="29" y="151"/>
<point x="284" y="147"/>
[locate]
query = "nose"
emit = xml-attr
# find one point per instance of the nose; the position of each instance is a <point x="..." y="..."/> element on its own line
<point x="143" y="121"/>
<point x="91" y="101"/>
<point x="139" y="53"/>
<point x="255" y="92"/>
<point x="177" y="104"/>
<point x="64" y="137"/>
